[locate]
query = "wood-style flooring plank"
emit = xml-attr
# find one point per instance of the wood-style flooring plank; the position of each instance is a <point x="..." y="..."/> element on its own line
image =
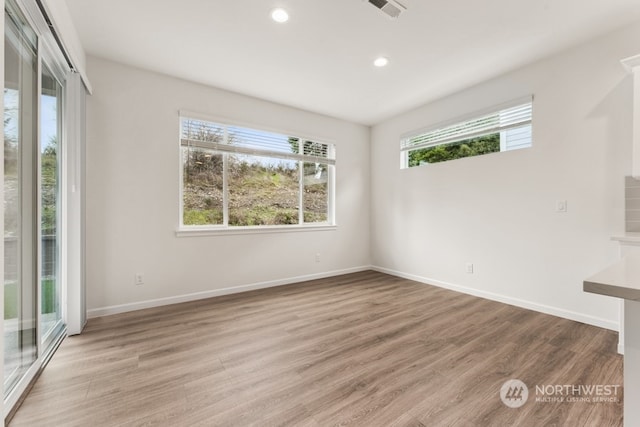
<point x="364" y="349"/>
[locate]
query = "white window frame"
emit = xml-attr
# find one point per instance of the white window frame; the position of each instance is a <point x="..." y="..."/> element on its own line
<point x="513" y="115"/>
<point x="225" y="150"/>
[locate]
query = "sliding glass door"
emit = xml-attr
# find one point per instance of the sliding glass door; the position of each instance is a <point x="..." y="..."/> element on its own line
<point x="33" y="319"/>
<point x="20" y="204"/>
<point x="49" y="151"/>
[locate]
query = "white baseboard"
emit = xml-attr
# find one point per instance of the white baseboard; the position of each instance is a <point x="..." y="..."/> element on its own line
<point x="123" y="308"/>
<point x="554" y="311"/>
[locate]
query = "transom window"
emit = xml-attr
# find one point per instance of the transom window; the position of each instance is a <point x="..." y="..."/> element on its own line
<point x="234" y="176"/>
<point x="502" y="129"/>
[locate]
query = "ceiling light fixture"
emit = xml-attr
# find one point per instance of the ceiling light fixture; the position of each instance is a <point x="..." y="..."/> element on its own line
<point x="279" y="15"/>
<point x="381" y="61"/>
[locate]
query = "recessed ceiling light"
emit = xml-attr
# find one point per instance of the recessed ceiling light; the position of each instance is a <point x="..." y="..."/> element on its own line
<point x="279" y="15"/>
<point x="381" y="62"/>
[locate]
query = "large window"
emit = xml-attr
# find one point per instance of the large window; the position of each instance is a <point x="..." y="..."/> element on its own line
<point x="502" y="129"/>
<point x="239" y="177"/>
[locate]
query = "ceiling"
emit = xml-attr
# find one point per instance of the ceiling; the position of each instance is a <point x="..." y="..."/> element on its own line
<point x="321" y="59"/>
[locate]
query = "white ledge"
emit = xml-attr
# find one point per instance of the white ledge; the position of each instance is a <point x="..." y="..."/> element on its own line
<point x="631" y="62"/>
<point x="226" y="231"/>
<point x="621" y="280"/>
<point x="629" y="238"/>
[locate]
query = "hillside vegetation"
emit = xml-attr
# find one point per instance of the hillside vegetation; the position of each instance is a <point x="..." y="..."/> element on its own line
<point x="261" y="192"/>
<point x="456" y="150"/>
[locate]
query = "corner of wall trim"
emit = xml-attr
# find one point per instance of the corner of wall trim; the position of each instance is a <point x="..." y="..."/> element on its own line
<point x="541" y="308"/>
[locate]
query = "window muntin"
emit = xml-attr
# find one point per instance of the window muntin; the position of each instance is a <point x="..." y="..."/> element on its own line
<point x="234" y="177"/>
<point x="503" y="129"/>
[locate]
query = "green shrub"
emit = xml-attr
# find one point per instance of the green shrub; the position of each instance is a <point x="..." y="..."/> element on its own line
<point x="11" y="298"/>
<point x="202" y="216"/>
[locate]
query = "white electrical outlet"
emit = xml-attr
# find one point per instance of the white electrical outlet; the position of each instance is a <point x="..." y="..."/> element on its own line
<point x="318" y="257"/>
<point x="561" y="206"/>
<point x="139" y="279"/>
<point x="469" y="267"/>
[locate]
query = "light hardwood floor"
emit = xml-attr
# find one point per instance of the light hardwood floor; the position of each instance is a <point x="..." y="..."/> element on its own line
<point x="364" y="349"/>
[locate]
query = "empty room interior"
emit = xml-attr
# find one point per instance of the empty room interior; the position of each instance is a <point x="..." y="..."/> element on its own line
<point x="318" y="213"/>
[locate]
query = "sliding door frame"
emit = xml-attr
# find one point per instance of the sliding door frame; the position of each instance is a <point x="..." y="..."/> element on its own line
<point x="48" y="53"/>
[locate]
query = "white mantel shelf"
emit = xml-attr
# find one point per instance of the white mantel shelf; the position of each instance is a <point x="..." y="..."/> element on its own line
<point x="621" y="280"/>
<point x="628" y="238"/>
<point x="631" y="62"/>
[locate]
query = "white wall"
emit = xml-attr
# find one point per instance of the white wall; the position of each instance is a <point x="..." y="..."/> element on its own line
<point x="132" y="195"/>
<point x="498" y="211"/>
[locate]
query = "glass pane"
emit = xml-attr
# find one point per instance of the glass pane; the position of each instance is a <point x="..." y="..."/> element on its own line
<point x="199" y="130"/>
<point x="456" y="150"/>
<point x="50" y="119"/>
<point x="202" y="187"/>
<point x="316" y="192"/>
<point x="316" y="149"/>
<point x="260" y="140"/>
<point x="20" y="92"/>
<point x="515" y="139"/>
<point x="262" y="190"/>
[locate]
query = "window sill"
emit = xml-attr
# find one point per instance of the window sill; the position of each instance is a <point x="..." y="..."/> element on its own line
<point x="227" y="231"/>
